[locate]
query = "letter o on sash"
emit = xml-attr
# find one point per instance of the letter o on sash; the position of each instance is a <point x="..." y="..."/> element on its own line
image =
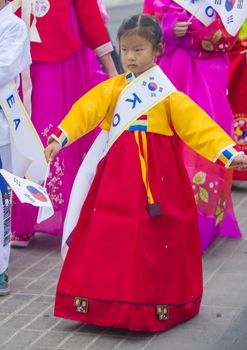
<point x="116" y="120"/>
<point x="209" y="11"/>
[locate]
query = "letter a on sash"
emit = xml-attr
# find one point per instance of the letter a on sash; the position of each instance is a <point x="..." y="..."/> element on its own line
<point x="17" y="123"/>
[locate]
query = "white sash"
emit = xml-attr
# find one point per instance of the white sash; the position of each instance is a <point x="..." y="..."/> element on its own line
<point x="27" y="150"/>
<point x="199" y="9"/>
<point x="142" y="94"/>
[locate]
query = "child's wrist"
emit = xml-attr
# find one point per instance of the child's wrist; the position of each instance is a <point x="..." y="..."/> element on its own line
<point x="227" y="155"/>
<point x="236" y="159"/>
<point x="51" y="140"/>
<point x="60" y="136"/>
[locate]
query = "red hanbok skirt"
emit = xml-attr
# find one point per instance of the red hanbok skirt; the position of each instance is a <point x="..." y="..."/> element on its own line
<point x="127" y="269"/>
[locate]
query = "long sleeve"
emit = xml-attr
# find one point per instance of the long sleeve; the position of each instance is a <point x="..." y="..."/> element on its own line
<point x="14" y="50"/>
<point x="169" y="13"/>
<point x="91" y="21"/>
<point x="199" y="131"/>
<point x="168" y="16"/>
<point x="86" y="113"/>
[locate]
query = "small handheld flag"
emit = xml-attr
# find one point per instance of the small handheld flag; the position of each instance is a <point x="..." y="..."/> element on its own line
<point x="232" y="13"/>
<point x="30" y="192"/>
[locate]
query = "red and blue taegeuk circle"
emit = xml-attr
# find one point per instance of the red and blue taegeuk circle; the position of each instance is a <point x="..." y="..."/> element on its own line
<point x="229" y="5"/>
<point x="36" y="193"/>
<point x="152" y="86"/>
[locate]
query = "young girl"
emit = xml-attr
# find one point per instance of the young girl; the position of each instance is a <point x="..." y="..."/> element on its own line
<point x="135" y="260"/>
<point x="196" y="61"/>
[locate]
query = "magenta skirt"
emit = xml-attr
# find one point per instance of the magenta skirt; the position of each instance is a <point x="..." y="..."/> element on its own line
<point x="205" y="81"/>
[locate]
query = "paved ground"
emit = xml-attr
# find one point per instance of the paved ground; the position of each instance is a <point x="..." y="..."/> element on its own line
<point x="26" y="315"/>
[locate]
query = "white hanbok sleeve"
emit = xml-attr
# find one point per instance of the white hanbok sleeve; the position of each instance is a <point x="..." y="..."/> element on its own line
<point x="14" y="51"/>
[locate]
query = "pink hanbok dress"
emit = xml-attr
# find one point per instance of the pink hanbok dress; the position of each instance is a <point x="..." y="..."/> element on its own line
<point x="197" y="66"/>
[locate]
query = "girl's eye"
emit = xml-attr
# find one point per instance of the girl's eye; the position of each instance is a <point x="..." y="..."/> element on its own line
<point x="123" y="50"/>
<point x="139" y="50"/>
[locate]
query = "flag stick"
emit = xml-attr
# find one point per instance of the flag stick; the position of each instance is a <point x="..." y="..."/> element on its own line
<point x="198" y="8"/>
<point x="47" y="174"/>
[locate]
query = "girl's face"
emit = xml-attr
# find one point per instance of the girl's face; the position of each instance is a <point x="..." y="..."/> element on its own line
<point x="137" y="53"/>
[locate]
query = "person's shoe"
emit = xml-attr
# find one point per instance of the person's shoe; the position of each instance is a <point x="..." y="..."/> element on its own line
<point x="21" y="241"/>
<point x="4" y="283"/>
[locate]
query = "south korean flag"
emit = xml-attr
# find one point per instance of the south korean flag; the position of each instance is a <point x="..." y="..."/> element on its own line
<point x="232" y="13"/>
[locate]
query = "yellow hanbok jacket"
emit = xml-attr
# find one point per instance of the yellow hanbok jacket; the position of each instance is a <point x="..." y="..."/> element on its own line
<point x="190" y="122"/>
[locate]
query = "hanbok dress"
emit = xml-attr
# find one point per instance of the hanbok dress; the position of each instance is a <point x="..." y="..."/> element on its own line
<point x="125" y="268"/>
<point x="197" y="64"/>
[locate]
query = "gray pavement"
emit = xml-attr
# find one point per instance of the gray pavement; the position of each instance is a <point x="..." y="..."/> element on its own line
<point x="27" y="321"/>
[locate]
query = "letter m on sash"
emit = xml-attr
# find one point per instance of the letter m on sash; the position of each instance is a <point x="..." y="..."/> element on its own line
<point x="134" y="101"/>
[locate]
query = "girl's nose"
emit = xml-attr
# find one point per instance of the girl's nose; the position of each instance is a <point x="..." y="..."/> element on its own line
<point x="131" y="56"/>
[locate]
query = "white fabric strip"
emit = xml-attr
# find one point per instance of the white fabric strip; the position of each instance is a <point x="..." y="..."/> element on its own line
<point x="27" y="149"/>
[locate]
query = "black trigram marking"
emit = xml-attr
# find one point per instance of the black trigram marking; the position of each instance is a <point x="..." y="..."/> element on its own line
<point x="240" y="4"/>
<point x="230" y="19"/>
<point x="217" y="2"/>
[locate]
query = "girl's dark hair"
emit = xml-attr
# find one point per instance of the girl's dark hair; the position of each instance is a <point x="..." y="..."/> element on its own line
<point x="145" y="26"/>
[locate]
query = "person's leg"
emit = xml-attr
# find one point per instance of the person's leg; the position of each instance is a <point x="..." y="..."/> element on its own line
<point x="5" y="220"/>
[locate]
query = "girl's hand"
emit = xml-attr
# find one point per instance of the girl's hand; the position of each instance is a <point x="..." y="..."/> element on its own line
<point x="239" y="162"/>
<point x="52" y="150"/>
<point x="181" y="28"/>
